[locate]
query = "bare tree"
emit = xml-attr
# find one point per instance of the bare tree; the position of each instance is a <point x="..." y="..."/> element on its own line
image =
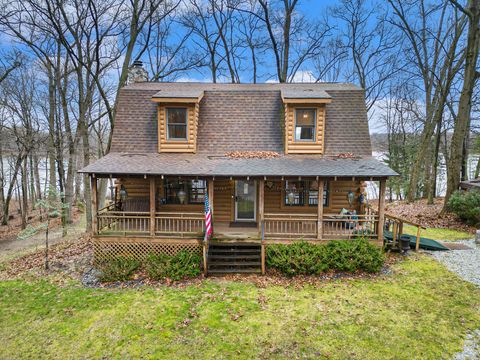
<point x="433" y="58"/>
<point x="370" y="44"/>
<point x="198" y="20"/>
<point x="470" y="76"/>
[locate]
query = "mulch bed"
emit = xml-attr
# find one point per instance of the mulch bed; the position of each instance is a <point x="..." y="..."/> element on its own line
<point x="427" y="215"/>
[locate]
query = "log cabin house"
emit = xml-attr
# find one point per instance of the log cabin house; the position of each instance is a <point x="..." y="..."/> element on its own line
<point x="280" y="163"/>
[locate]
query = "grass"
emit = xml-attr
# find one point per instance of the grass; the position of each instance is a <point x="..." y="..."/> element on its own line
<point x="438" y="233"/>
<point x="422" y="311"/>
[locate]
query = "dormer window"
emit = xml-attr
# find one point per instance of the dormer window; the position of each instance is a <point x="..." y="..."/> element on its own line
<point x="305" y="124"/>
<point x="177" y="123"/>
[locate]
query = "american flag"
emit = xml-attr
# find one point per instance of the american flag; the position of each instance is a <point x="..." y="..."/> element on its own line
<point x="208" y="218"/>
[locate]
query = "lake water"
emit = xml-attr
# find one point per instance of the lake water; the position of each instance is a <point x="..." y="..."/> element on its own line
<point x="372" y="187"/>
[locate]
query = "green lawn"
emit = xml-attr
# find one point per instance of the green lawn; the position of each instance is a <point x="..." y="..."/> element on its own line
<point x="423" y="311"/>
<point x="438" y="233"/>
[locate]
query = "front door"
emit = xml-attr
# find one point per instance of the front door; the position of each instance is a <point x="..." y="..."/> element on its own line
<point x="245" y="200"/>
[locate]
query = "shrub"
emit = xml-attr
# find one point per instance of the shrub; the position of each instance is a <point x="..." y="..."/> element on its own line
<point x="354" y="255"/>
<point x="299" y="258"/>
<point x="183" y="265"/>
<point x="118" y="269"/>
<point x="304" y="258"/>
<point x="466" y="205"/>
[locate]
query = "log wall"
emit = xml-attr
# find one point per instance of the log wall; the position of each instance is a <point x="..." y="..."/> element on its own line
<point x="189" y="145"/>
<point x="304" y="147"/>
<point x="223" y="203"/>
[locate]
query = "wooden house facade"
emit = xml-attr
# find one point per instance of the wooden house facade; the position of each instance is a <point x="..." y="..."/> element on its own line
<point x="279" y="162"/>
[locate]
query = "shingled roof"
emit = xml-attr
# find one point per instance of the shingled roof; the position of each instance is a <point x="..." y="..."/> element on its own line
<point x="239" y="117"/>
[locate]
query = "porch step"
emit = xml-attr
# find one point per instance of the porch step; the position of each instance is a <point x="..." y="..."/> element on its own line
<point x="240" y="257"/>
<point x="234" y="256"/>
<point x="234" y="271"/>
<point x="224" y="249"/>
<point x="236" y="263"/>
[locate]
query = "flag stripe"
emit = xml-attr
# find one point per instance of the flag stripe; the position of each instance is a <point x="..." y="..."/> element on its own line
<point x="208" y="217"/>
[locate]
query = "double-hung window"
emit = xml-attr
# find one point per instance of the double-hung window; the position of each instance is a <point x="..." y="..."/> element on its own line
<point x="305" y="124"/>
<point x="176" y="123"/>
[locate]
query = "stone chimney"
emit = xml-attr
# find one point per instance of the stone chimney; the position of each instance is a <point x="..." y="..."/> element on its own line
<point x="136" y="73"/>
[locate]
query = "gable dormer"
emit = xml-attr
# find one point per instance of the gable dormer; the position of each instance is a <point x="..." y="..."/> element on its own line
<point x="177" y="114"/>
<point x="305" y="112"/>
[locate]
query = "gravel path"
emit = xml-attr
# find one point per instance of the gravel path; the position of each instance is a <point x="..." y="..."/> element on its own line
<point x="466" y="264"/>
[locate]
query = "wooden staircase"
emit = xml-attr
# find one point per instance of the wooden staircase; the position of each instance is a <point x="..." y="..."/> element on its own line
<point x="234" y="257"/>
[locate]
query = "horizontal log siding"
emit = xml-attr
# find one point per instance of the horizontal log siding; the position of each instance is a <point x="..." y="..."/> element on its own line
<point x="138" y="188"/>
<point x="223" y="200"/>
<point x="189" y="145"/>
<point x="304" y="147"/>
<point x="338" y="191"/>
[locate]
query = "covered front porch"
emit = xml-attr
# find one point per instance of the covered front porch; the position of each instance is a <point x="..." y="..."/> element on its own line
<point x="254" y="209"/>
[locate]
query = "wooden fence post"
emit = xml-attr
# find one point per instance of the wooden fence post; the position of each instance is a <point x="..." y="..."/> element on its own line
<point x="93" y="182"/>
<point x="381" y="209"/>
<point x="417" y="243"/>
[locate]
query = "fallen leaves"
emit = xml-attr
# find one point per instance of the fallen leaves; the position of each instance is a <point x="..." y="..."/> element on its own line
<point x="252" y="154"/>
<point x="347" y="155"/>
<point x="70" y="258"/>
<point x="427" y="215"/>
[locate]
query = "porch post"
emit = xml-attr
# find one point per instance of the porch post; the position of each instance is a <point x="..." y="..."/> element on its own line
<point x="93" y="182"/>
<point x="210" y="196"/>
<point x="261" y="217"/>
<point x="381" y="209"/>
<point x="261" y="203"/>
<point x="152" y="205"/>
<point x="320" y="210"/>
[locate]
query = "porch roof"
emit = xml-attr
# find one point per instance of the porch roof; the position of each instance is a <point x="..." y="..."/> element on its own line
<point x="202" y="165"/>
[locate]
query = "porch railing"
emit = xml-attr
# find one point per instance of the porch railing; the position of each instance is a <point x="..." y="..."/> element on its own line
<point x="290" y="225"/>
<point x="334" y="226"/>
<point x="117" y="223"/>
<point x="337" y="226"/>
<point x="275" y="226"/>
<point x="122" y="223"/>
<point x="179" y="224"/>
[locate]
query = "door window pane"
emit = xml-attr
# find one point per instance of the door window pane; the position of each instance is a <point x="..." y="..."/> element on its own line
<point x="245" y="200"/>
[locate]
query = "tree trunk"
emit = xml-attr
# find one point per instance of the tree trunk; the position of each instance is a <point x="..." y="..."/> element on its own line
<point x="461" y="127"/>
<point x="465" y="152"/>
<point x="36" y="174"/>
<point x="433" y="180"/>
<point x="33" y="195"/>
<point x="52" y="181"/>
<point x="24" y="175"/>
